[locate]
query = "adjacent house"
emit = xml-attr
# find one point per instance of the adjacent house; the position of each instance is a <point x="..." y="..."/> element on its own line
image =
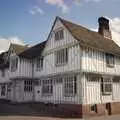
<point x="75" y="68"/>
<point x="8" y="64"/>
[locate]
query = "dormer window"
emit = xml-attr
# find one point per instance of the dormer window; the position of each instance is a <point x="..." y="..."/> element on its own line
<point x="13" y="64"/>
<point x="110" y="60"/>
<point x="39" y="63"/>
<point x="59" y="35"/>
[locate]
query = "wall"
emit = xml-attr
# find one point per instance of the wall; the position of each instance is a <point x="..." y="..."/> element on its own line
<point x="49" y="67"/>
<point x="18" y="94"/>
<point x="116" y="91"/>
<point x="74" y="53"/>
<point x="24" y="69"/>
<point x="92" y="92"/>
<point x="4" y="80"/>
<point x="95" y="61"/>
<point x="58" y="94"/>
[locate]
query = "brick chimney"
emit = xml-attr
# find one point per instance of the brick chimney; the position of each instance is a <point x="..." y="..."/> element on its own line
<point x="104" y="28"/>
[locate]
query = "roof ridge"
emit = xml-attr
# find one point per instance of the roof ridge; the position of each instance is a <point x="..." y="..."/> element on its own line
<point x="37" y="44"/>
<point x="77" y="24"/>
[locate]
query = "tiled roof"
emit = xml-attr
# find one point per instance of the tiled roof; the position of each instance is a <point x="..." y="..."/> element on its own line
<point x="18" y="48"/>
<point x="91" y="38"/>
<point x="33" y="51"/>
<point x="4" y="63"/>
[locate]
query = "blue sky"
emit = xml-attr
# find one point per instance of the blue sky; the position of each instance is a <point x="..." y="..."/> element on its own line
<point x="31" y="20"/>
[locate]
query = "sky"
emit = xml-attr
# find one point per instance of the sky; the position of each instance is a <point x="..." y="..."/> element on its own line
<point x="30" y="21"/>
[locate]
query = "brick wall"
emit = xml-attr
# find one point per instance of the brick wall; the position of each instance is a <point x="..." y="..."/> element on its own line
<point x="77" y="110"/>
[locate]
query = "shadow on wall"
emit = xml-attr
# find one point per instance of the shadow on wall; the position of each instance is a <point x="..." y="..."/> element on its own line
<point x="8" y="108"/>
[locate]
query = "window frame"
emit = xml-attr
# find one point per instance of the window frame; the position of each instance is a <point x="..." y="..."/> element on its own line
<point x="13" y="64"/>
<point x="39" y="66"/>
<point x="104" y="82"/>
<point x="70" y="81"/>
<point x="110" y="60"/>
<point x="28" y="86"/>
<point x="61" y="57"/>
<point x="59" y="34"/>
<point x="47" y="85"/>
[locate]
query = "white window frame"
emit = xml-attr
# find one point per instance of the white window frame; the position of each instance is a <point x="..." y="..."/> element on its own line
<point x="28" y="86"/>
<point x="39" y="63"/>
<point x="61" y="57"/>
<point x="13" y="64"/>
<point x="59" y="34"/>
<point x="70" y="86"/>
<point x="110" y="60"/>
<point x="104" y="82"/>
<point x="47" y="87"/>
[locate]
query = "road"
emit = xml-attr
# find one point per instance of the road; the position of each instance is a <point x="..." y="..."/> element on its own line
<point x="113" y="117"/>
<point x="25" y="112"/>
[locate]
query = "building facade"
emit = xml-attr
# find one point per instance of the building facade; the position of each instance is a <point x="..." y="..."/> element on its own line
<point x="75" y="68"/>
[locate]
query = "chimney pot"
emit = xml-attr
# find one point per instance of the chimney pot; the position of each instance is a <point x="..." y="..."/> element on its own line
<point x="104" y="28"/>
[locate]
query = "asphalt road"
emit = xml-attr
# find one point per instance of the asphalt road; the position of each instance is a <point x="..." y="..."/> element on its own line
<point x="113" y="117"/>
<point x="24" y="112"/>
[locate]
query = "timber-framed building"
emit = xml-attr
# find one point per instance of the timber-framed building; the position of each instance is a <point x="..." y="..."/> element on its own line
<point x="75" y="68"/>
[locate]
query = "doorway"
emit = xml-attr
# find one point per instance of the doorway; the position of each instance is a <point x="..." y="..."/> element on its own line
<point x="108" y="108"/>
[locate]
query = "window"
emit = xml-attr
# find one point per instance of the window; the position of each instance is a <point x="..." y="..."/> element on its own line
<point x="70" y="86"/>
<point x="62" y="56"/>
<point x="3" y="89"/>
<point x="93" y="77"/>
<point x="94" y="108"/>
<point x="39" y="63"/>
<point x="14" y="64"/>
<point x="59" y="35"/>
<point x="116" y="79"/>
<point x="47" y="87"/>
<point x="106" y="86"/>
<point x="110" y="60"/>
<point x="3" y="73"/>
<point x="28" y="86"/>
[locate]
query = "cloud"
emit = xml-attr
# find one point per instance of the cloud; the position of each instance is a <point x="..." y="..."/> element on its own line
<point x="115" y="29"/>
<point x="35" y="10"/>
<point x="60" y="4"/>
<point x="77" y="2"/>
<point x="5" y="42"/>
<point x="93" y="0"/>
